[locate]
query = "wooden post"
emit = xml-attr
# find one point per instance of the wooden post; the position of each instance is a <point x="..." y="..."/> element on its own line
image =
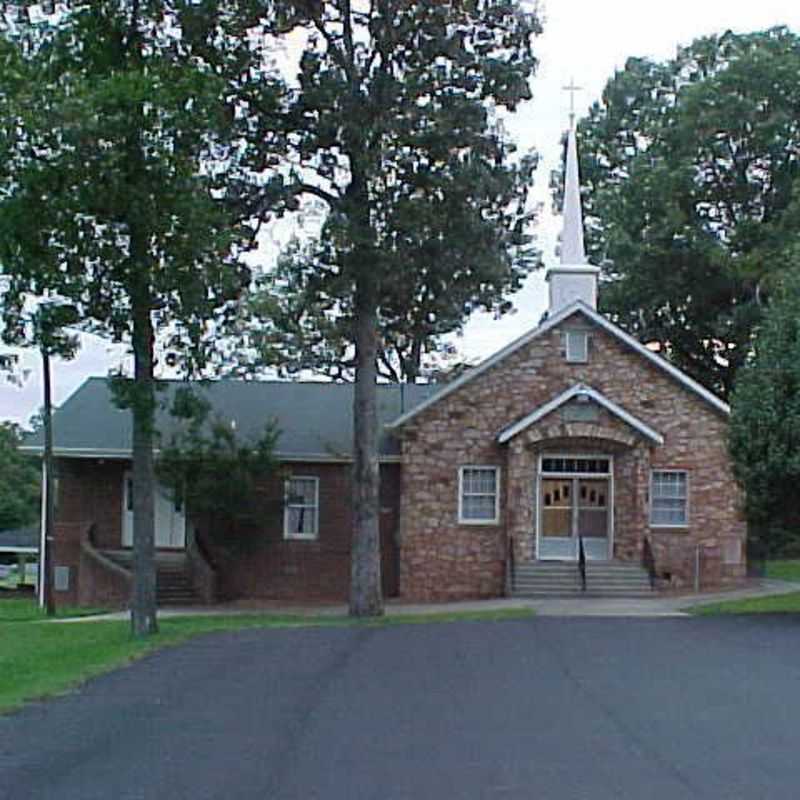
<point x="49" y="504"/>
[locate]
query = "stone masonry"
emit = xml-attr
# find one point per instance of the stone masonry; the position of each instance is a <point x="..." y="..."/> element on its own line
<point x="442" y="559"/>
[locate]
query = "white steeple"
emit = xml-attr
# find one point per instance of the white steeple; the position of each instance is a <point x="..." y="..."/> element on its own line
<point x="574" y="279"/>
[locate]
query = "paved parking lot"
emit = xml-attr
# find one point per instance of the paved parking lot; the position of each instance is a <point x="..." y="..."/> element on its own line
<point x="547" y="708"/>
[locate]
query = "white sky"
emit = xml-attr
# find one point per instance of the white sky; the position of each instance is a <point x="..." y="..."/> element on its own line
<point x="581" y="39"/>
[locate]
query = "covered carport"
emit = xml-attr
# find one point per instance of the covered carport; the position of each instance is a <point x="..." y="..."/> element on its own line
<point x="22" y="543"/>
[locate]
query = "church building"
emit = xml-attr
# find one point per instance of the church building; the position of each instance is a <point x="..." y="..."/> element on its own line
<point x="574" y="444"/>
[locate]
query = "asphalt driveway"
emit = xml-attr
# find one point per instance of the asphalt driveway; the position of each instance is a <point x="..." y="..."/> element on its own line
<point x="545" y="708"/>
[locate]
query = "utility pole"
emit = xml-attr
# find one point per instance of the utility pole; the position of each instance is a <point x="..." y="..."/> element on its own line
<point x="49" y="499"/>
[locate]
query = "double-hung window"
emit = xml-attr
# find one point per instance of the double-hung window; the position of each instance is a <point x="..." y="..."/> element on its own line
<point x="301" y="508"/>
<point x="669" y="498"/>
<point x="479" y="495"/>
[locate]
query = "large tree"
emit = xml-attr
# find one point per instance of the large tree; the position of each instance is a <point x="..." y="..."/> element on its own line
<point x="765" y="420"/>
<point x="124" y="159"/>
<point x="457" y="241"/>
<point x="396" y="104"/>
<point x="689" y="170"/>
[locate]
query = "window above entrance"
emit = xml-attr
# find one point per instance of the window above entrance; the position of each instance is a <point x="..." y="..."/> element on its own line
<point x="580" y="465"/>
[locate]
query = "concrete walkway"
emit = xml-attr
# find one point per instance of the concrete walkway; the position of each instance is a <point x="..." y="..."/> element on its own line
<point x="656" y="606"/>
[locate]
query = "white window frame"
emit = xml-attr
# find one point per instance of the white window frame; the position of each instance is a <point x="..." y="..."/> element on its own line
<point x="576" y="346"/>
<point x="685" y="523"/>
<point x="496" y="519"/>
<point x="287" y="534"/>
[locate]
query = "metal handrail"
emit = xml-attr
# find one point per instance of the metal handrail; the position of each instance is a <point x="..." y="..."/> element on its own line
<point x="510" y="566"/>
<point x="649" y="561"/>
<point x="582" y="563"/>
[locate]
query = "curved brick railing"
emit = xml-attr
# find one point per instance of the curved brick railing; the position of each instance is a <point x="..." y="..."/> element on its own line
<point x="103" y="582"/>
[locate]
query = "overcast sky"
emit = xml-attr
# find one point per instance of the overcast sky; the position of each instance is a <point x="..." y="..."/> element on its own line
<point x="581" y="39"/>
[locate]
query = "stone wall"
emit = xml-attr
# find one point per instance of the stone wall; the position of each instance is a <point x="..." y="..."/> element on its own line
<point x="442" y="559"/>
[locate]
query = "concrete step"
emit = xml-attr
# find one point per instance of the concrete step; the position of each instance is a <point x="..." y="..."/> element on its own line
<point x="562" y="579"/>
<point x="588" y="593"/>
<point x="173" y="583"/>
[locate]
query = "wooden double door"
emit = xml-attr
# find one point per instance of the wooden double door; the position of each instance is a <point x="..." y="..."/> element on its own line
<point x="571" y="508"/>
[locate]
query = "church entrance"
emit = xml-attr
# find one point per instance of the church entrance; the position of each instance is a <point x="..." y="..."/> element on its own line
<point x="575" y="501"/>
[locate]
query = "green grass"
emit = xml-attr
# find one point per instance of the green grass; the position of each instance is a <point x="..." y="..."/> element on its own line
<point x="775" y="604"/>
<point x="785" y="570"/>
<point x="40" y="659"/>
<point x="25" y="610"/>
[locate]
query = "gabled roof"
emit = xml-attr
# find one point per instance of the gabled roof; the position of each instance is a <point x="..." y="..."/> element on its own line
<point x="315" y="420"/>
<point x="581" y="391"/>
<point x="593" y="316"/>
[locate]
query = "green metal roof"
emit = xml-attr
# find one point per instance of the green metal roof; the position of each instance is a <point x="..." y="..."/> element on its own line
<point x="315" y="420"/>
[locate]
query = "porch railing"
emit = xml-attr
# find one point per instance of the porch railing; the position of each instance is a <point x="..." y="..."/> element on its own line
<point x="649" y="561"/>
<point x="510" y="566"/>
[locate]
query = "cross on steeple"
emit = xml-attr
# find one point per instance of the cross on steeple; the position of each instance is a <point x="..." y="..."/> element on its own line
<point x="572" y="89"/>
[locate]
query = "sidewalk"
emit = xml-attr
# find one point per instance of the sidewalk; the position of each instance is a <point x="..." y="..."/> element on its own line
<point x="657" y="606"/>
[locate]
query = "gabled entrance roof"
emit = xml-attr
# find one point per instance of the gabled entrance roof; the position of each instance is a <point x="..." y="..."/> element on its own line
<point x="599" y="320"/>
<point x="579" y="390"/>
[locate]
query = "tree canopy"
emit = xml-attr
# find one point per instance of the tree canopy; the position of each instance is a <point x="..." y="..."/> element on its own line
<point x="689" y="170"/>
<point x="765" y="419"/>
<point x="126" y="153"/>
<point x="20" y="480"/>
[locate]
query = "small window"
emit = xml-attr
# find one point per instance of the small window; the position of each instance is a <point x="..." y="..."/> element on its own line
<point x="669" y="496"/>
<point x="301" y="509"/>
<point x="576" y="346"/>
<point x="478" y="495"/>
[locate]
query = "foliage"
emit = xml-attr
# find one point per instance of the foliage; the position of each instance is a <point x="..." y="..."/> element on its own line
<point x="765" y="420"/>
<point x="125" y="149"/>
<point x="142" y="113"/>
<point x="403" y="113"/>
<point x="20" y="478"/>
<point x="216" y="475"/>
<point x="689" y="170"/>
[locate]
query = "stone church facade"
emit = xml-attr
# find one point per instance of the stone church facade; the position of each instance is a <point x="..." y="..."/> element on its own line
<point x="652" y="449"/>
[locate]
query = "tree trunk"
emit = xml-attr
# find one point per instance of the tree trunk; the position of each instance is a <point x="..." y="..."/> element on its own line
<point x="366" y="597"/>
<point x="143" y="600"/>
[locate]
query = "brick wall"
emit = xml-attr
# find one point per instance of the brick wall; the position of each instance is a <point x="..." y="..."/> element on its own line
<point x="269" y="566"/>
<point x="90" y="491"/>
<point x="252" y="558"/>
<point x="441" y="559"/>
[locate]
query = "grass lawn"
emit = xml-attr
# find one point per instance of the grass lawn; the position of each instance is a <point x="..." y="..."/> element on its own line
<point x="39" y="658"/>
<point x="776" y="604"/>
<point x="787" y="570"/>
<point x="784" y="570"/>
